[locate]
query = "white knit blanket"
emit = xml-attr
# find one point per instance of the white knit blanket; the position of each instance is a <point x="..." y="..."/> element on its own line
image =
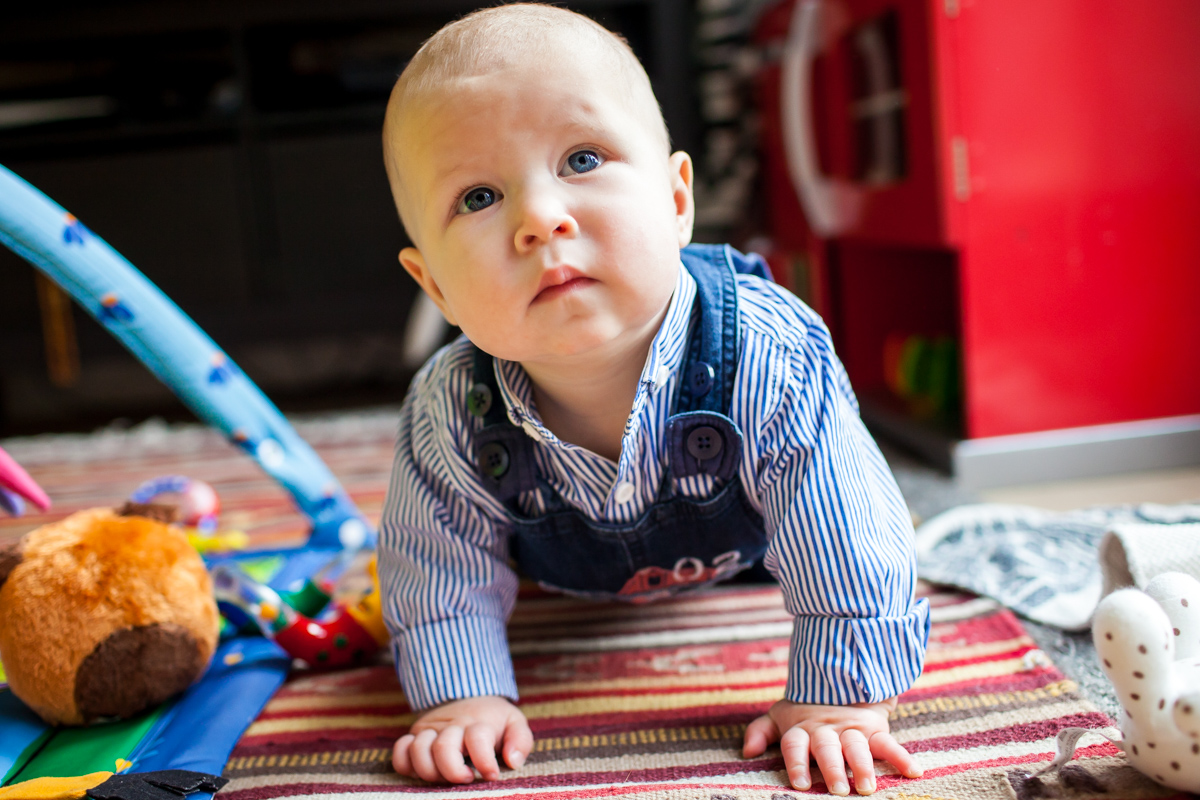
<point x="1054" y="567"/>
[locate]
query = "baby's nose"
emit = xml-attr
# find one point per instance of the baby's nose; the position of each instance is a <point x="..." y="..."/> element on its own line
<point x="543" y="217"/>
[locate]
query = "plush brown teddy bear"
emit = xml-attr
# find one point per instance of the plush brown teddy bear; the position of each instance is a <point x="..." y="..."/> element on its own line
<point x="103" y="614"/>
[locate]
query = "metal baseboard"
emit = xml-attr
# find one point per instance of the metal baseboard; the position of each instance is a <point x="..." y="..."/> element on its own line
<point x="1078" y="452"/>
<point x="1046" y="455"/>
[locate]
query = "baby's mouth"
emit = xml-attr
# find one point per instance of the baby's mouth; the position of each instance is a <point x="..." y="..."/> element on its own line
<point x="559" y="281"/>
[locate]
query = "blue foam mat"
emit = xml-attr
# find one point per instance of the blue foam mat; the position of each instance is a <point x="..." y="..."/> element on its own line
<point x="19" y="728"/>
<point x="202" y="727"/>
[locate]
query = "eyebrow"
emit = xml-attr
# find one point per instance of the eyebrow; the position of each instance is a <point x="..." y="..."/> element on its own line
<point x="583" y="126"/>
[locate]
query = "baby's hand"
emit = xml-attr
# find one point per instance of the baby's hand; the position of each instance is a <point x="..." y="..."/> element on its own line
<point x="836" y="736"/>
<point x="477" y="726"/>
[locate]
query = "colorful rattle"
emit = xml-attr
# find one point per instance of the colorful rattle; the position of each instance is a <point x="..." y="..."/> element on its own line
<point x="347" y="635"/>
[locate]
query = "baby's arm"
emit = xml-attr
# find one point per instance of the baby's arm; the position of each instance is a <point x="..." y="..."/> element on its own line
<point x="434" y="747"/>
<point x="447" y="592"/>
<point x="835" y="736"/>
<point x="842" y="549"/>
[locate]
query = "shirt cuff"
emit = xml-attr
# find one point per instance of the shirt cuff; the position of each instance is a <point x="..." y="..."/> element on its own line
<point x="454" y="659"/>
<point x="843" y="660"/>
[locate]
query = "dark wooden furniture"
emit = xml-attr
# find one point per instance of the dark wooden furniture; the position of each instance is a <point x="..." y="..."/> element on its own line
<point x="230" y="149"/>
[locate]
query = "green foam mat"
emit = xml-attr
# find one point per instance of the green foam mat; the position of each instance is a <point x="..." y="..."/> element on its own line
<point x="96" y="748"/>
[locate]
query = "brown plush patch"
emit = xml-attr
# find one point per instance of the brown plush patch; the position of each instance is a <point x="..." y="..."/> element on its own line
<point x="10" y="556"/>
<point x="136" y="668"/>
<point x="159" y="512"/>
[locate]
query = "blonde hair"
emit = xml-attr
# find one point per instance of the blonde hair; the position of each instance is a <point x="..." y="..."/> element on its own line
<point x="493" y="38"/>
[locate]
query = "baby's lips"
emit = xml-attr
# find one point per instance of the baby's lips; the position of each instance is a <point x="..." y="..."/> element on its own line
<point x="556" y="276"/>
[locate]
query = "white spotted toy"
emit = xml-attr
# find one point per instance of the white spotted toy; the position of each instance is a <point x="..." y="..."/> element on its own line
<point x="1149" y="643"/>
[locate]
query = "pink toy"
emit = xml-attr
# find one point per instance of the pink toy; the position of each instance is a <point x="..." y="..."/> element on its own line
<point x="17" y="481"/>
<point x="198" y="502"/>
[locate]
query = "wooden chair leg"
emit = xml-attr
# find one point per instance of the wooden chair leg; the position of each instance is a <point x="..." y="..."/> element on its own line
<point x="58" y="332"/>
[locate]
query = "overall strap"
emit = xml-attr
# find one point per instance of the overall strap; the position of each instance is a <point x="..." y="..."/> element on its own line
<point x="503" y="452"/>
<point x="700" y="437"/>
<point x="713" y="348"/>
<point x="483" y="400"/>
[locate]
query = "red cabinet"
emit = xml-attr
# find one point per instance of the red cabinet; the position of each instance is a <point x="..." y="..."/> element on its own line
<point x="1020" y="176"/>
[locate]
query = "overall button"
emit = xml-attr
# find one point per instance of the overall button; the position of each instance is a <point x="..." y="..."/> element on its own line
<point x="479" y="399"/>
<point x="493" y="458"/>
<point x="624" y="492"/>
<point x="701" y="377"/>
<point x="704" y="443"/>
<point x="531" y="430"/>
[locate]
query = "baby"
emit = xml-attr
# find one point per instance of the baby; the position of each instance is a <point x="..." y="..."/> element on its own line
<point x="621" y="418"/>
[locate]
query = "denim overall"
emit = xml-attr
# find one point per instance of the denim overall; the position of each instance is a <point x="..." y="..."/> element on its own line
<point x="678" y="542"/>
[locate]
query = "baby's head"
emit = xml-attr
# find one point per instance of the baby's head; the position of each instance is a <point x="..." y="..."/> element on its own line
<point x="531" y="167"/>
<point x="516" y="35"/>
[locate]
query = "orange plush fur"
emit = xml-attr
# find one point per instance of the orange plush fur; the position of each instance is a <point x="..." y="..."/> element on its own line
<point x="85" y="579"/>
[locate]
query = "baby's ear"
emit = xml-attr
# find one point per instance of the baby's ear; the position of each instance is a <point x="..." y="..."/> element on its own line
<point x="414" y="264"/>
<point x="681" y="175"/>
<point x="10" y="557"/>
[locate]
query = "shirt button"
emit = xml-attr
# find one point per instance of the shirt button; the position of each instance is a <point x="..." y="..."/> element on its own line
<point x="531" y="430"/>
<point x="624" y="492"/>
<point x="661" y="377"/>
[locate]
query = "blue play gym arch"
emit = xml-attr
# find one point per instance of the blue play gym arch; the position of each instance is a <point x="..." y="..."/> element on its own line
<point x="198" y="730"/>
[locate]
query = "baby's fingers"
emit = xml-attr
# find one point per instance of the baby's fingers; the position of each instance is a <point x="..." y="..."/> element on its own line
<point x="518" y="741"/>
<point x="420" y="755"/>
<point x="448" y="756"/>
<point x="885" y="747"/>
<point x="827" y="750"/>
<point x="759" y="734"/>
<point x="794" y="746"/>
<point x="481" y="744"/>
<point x="858" y="755"/>
<point x="400" y="760"/>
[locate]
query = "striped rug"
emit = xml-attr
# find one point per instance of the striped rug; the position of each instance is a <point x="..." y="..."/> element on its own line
<point x="101" y="469"/>
<point x="645" y="702"/>
<point x="651" y="702"/>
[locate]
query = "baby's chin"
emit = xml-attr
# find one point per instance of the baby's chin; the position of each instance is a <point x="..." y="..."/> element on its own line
<point x="569" y="345"/>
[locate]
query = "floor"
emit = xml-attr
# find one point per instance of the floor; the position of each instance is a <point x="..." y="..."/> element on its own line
<point x="929" y="492"/>
<point x="1154" y="486"/>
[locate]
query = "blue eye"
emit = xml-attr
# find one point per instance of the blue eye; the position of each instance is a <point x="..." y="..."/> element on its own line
<point x="582" y="161"/>
<point x="476" y="199"/>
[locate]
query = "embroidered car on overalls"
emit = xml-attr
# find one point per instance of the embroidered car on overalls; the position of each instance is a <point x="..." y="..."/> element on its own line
<point x="679" y="542"/>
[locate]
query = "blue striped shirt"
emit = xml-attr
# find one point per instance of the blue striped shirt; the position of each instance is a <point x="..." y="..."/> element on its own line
<point x="840" y="536"/>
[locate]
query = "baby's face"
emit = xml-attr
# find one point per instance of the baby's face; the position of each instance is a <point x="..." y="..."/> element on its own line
<point x="546" y="214"/>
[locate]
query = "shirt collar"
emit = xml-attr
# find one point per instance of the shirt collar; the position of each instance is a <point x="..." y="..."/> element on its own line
<point x="665" y="356"/>
<point x="667" y="349"/>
